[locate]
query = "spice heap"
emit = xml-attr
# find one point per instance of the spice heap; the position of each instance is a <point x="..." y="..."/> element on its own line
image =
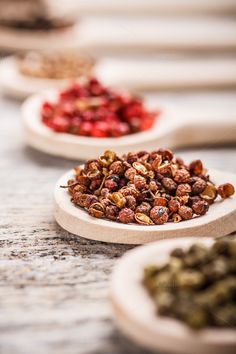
<point x="144" y="188"/>
<point x="54" y="65"/>
<point x="90" y="109"/>
<point x="197" y="286"/>
<point x="35" y="15"/>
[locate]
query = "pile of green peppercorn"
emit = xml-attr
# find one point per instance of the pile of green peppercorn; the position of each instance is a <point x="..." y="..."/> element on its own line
<point x="196" y="286"/>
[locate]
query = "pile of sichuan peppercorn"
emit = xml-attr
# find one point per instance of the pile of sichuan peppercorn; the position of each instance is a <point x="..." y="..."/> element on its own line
<point x="197" y="285"/>
<point x="144" y="188"/>
<point x="91" y="109"/>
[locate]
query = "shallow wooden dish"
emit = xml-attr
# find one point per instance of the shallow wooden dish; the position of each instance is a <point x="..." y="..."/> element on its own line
<point x="219" y="221"/>
<point x="174" y="128"/>
<point x="135" y="313"/>
<point x="20" y="86"/>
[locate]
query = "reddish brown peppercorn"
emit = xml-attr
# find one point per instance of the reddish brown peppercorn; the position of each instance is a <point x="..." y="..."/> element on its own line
<point x="90" y="199"/>
<point x="112" y="212"/>
<point x="166" y="154"/>
<point x="173" y="205"/>
<point x="200" y="207"/>
<point x="117" y="168"/>
<point x="159" y="201"/>
<point x="183" y="189"/>
<point x="226" y="190"/>
<point x="185" y="212"/>
<point x="140" y="182"/>
<point x="111" y="185"/>
<point x="130" y="202"/>
<point x="182" y="176"/>
<point x="169" y="184"/>
<point x="126" y="216"/>
<point x="199" y="186"/>
<point x="143" y="208"/>
<point x="196" y="167"/>
<point x="156" y="163"/>
<point x="104" y="192"/>
<point x="159" y="215"/>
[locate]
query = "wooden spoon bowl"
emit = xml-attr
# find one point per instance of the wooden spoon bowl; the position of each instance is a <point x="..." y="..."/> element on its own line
<point x="135" y="311"/>
<point x="219" y="221"/>
<point x="174" y="128"/>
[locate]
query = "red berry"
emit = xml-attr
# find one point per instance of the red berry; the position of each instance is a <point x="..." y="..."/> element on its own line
<point x="60" y="124"/>
<point x="100" y="129"/>
<point x="86" y="128"/>
<point x="120" y="129"/>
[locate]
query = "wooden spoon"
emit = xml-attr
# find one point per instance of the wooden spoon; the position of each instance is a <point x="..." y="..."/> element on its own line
<point x="134" y="74"/>
<point x="135" y="312"/>
<point x="175" y="128"/>
<point x="219" y="221"/>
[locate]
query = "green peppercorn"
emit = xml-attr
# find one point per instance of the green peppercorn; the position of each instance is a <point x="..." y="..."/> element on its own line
<point x="196" y="286"/>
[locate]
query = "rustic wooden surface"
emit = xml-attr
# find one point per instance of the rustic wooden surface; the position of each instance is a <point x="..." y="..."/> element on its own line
<point x="54" y="287"/>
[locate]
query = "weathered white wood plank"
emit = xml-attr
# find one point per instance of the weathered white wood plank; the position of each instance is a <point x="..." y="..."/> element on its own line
<point x="54" y="286"/>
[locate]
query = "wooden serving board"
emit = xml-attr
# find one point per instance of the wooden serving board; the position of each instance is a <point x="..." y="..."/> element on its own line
<point x="219" y="221"/>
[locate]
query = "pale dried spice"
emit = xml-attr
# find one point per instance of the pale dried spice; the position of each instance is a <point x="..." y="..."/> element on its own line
<point x="107" y="158"/>
<point x="174" y="169"/>
<point x="183" y="199"/>
<point x="176" y="218"/>
<point x="140" y="168"/>
<point x="143" y="219"/>
<point x="97" y="210"/>
<point x="118" y="199"/>
<point x="78" y="170"/>
<point x="209" y="193"/>
<point x="94" y="174"/>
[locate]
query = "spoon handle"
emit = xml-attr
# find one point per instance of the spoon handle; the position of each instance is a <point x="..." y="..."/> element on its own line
<point x="157" y="74"/>
<point x="204" y="127"/>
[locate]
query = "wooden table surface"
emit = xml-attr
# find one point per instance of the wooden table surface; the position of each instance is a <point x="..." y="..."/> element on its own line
<point x="54" y="287"/>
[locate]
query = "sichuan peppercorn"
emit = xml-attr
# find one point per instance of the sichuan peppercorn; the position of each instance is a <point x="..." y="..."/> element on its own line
<point x="144" y="188"/>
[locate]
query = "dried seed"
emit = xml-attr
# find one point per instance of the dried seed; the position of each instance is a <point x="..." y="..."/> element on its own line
<point x="140" y="168"/>
<point x="209" y="193"/>
<point x="118" y="199"/>
<point x="97" y="210"/>
<point x="196" y="167"/>
<point x="226" y="190"/>
<point x="143" y="219"/>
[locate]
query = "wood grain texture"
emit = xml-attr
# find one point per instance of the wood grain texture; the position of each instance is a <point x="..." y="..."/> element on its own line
<point x="53" y="286"/>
